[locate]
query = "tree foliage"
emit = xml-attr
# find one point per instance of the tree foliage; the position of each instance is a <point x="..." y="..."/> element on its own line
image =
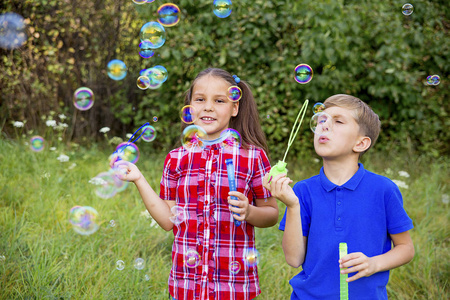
<point x="365" y="48"/>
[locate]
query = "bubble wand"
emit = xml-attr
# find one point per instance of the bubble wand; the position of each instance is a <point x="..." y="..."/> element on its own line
<point x="280" y="167"/>
<point x="343" y="284"/>
<point x="232" y="184"/>
<point x="130" y="141"/>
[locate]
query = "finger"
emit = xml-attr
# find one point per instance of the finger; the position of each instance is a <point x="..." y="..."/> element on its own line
<point x="239" y="195"/>
<point x="237" y="203"/>
<point x="353" y="262"/>
<point x="350" y="256"/>
<point x="355" y="277"/>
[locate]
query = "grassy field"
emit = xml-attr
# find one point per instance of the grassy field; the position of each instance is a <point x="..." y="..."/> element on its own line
<point x="41" y="257"/>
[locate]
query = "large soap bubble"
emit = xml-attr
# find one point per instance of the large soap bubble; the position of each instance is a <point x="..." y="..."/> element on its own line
<point x="154" y="33"/>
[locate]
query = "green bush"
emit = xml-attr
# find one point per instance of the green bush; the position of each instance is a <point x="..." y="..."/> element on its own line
<point x="365" y="48"/>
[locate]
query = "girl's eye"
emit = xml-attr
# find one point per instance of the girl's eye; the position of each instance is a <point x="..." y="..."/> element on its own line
<point x="220" y="100"/>
<point x="199" y="99"/>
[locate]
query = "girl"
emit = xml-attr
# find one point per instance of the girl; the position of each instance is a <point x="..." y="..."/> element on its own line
<point x="208" y="252"/>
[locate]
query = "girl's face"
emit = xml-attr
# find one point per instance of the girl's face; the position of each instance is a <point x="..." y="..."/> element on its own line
<point x="212" y="108"/>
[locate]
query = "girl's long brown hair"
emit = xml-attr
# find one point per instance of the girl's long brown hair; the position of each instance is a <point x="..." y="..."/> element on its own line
<point x="247" y="120"/>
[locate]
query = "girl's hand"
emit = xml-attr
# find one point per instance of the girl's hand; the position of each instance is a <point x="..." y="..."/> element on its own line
<point x="127" y="171"/>
<point x="357" y="262"/>
<point x="242" y="206"/>
<point x="280" y="189"/>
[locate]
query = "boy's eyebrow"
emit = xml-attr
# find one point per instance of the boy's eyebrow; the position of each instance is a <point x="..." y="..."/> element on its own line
<point x="338" y="117"/>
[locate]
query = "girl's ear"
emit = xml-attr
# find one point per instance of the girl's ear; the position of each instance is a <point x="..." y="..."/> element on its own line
<point x="362" y="144"/>
<point x="235" y="109"/>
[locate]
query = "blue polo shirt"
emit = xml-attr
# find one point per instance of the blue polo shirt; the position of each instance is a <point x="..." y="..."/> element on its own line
<point x="362" y="213"/>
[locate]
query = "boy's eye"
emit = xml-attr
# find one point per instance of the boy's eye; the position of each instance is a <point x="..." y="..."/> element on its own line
<point x="340" y="122"/>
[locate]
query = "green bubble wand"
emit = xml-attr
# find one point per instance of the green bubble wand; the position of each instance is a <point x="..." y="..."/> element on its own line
<point x="343" y="284"/>
<point x="280" y="167"/>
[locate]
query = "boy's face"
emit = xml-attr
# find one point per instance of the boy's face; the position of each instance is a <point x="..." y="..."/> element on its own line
<point x="341" y="142"/>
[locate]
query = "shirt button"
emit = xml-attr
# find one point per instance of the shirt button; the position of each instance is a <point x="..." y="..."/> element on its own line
<point x="339" y="218"/>
<point x="338" y="189"/>
<point x="339" y="203"/>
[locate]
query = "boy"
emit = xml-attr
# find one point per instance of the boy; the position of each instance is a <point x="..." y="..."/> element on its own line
<point x="344" y="203"/>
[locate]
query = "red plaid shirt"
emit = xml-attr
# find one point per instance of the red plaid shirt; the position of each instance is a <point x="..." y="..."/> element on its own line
<point x="198" y="182"/>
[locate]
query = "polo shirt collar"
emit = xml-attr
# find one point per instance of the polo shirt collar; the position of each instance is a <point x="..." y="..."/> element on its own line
<point x="351" y="184"/>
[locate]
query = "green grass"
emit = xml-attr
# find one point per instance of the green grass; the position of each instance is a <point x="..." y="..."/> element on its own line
<point x="46" y="259"/>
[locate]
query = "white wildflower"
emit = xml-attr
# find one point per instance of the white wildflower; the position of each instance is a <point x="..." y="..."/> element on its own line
<point x="316" y="160"/>
<point x="445" y="198"/>
<point x="400" y="184"/>
<point x="2" y="258"/>
<point x="59" y="138"/>
<point x="104" y="129"/>
<point x="63" y="158"/>
<point x="115" y="140"/>
<point x="403" y="174"/>
<point x="146" y="214"/>
<point x="52" y="148"/>
<point x="18" y="124"/>
<point x="153" y="223"/>
<point x="129" y="135"/>
<point x="50" y="123"/>
<point x="97" y="181"/>
<point x="73" y="165"/>
<point x="62" y="116"/>
<point x="45" y="175"/>
<point x="61" y="126"/>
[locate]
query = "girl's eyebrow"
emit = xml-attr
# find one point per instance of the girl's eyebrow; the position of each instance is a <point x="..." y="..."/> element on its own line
<point x="217" y="95"/>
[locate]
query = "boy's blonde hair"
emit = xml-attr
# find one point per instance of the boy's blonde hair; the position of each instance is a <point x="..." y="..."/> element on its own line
<point x="367" y="119"/>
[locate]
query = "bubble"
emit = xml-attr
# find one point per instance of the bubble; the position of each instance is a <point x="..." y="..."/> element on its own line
<point x="143" y="82"/>
<point x="234" y="93"/>
<point x="128" y="152"/>
<point x="192" y="138"/>
<point x="120" y="265"/>
<point x="168" y="14"/>
<point x="154" y="33"/>
<point x="117" y="69"/>
<point x="117" y="174"/>
<point x="232" y="139"/>
<point x="146" y="277"/>
<point x="140" y="1"/>
<point x="222" y="8"/>
<point x="112" y="223"/>
<point x="321" y="123"/>
<point x="318" y="107"/>
<point x="155" y="119"/>
<point x="37" y="143"/>
<point x="83" y="98"/>
<point x="145" y="50"/>
<point x="191" y="258"/>
<point x="433" y="80"/>
<point x="188" y="115"/>
<point x="149" y="134"/>
<point x="12" y="31"/>
<point x="251" y="257"/>
<point x="160" y="73"/>
<point x="303" y="73"/>
<point x="106" y="185"/>
<point x="139" y="263"/>
<point x="234" y="267"/>
<point x="155" y="76"/>
<point x="83" y="219"/>
<point x="407" y="9"/>
<point x="178" y="215"/>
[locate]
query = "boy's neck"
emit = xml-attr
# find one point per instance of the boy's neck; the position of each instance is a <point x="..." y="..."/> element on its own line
<point x="340" y="171"/>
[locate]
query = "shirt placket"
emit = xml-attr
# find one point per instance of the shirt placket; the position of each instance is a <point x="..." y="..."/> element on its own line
<point x="208" y="156"/>
<point x="339" y="208"/>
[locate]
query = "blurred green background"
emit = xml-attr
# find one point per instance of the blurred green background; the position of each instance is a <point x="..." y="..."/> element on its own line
<point x="365" y="48"/>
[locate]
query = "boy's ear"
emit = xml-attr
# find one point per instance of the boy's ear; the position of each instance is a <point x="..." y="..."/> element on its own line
<point x="362" y="144"/>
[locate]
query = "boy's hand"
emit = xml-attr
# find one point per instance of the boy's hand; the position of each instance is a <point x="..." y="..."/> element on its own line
<point x="127" y="171"/>
<point x="280" y="189"/>
<point x="242" y="205"/>
<point x="357" y="262"/>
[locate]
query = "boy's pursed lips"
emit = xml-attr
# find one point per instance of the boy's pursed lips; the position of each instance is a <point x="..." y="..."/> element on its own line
<point x="323" y="139"/>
